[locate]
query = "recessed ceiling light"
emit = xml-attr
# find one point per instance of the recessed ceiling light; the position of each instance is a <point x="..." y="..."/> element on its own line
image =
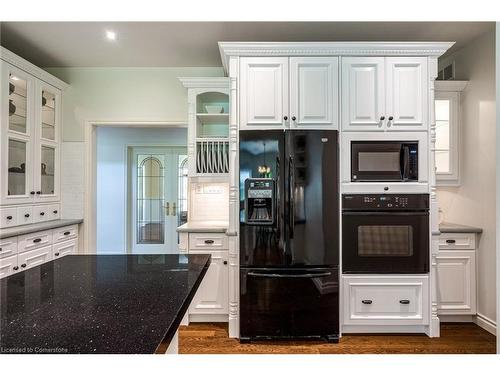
<point x="110" y="35"/>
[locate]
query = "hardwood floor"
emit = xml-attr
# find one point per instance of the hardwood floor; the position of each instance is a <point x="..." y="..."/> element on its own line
<point x="456" y="338"/>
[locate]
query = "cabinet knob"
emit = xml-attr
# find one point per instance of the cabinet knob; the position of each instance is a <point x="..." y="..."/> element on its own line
<point x="404" y="302"/>
<point x="9" y="217"/>
<point x="451" y="241"/>
<point x="285" y="118"/>
<point x="66" y="233"/>
<point x="55" y="211"/>
<point x="0" y="249"/>
<point x="26" y="215"/>
<point x="294" y="118"/>
<point x="366" y="302"/>
<point x="56" y="254"/>
<point x="42" y="213"/>
<point x="391" y="118"/>
<point x="386" y="188"/>
<point x="32" y="192"/>
<point x="15" y="268"/>
<point x="36" y="240"/>
<point x="209" y="242"/>
<point x="225" y="262"/>
<point x="38" y="192"/>
<point x="382" y="118"/>
<point x="23" y="265"/>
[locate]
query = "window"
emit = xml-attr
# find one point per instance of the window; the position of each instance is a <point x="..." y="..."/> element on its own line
<point x="447" y="147"/>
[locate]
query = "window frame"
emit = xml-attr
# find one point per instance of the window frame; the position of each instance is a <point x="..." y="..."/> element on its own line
<point x="450" y="90"/>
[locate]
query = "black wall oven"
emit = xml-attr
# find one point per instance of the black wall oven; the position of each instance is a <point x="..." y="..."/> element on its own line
<point x="386" y="233"/>
<point x="384" y="161"/>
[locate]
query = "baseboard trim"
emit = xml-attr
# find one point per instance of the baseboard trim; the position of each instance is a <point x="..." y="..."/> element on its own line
<point x="486" y="324"/>
<point x="345" y="329"/>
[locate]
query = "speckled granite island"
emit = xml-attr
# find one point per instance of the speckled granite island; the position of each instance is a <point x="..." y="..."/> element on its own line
<point x="99" y="304"/>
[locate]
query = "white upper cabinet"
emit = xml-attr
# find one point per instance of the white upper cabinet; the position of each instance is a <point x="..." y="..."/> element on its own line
<point x="406" y="83"/>
<point x="314" y="86"/>
<point x="363" y="93"/>
<point x="384" y="93"/>
<point x="263" y="92"/>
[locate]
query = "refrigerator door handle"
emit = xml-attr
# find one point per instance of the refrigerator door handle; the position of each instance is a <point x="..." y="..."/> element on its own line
<point x="291" y="197"/>
<point x="290" y="276"/>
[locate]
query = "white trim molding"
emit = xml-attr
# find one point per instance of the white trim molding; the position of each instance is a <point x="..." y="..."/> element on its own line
<point x="431" y="49"/>
<point x="201" y="82"/>
<point x="450" y="85"/>
<point x="486" y="324"/>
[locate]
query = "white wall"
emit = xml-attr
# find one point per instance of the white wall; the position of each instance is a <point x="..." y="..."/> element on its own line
<point x="473" y="203"/>
<point x="111" y="178"/>
<point x="498" y="182"/>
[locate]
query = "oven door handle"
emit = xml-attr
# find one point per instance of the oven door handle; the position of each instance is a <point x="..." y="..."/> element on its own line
<point x="385" y="213"/>
<point x="290" y="276"/>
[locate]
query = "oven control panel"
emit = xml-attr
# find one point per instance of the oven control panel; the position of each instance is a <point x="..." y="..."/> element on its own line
<point x="385" y="201"/>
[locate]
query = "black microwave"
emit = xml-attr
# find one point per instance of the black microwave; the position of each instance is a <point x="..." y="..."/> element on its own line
<point x="384" y="161"/>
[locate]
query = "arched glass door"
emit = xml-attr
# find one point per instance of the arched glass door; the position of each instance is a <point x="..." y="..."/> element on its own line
<point x="157" y="199"/>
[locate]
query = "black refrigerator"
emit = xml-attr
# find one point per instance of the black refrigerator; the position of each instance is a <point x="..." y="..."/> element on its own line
<point x="289" y="234"/>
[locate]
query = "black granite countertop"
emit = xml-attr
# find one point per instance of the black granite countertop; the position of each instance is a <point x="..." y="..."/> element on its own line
<point x="98" y="303"/>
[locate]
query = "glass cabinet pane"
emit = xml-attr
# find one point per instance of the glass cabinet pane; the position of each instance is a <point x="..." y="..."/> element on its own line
<point x="48" y="155"/>
<point x="17" y="167"/>
<point x="442" y="110"/>
<point x="48" y="115"/>
<point x="18" y="104"/>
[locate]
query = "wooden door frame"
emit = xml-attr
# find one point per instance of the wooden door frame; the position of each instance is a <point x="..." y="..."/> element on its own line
<point x="88" y="227"/>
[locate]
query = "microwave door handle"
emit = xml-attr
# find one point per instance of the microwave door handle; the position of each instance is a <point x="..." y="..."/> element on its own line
<point x="405" y="151"/>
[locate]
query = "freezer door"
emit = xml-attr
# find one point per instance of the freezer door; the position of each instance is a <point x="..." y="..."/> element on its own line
<point x="289" y="303"/>
<point x="312" y="198"/>
<point x="261" y="157"/>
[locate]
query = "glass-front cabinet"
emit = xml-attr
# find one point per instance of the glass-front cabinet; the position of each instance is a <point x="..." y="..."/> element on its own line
<point x="30" y="122"/>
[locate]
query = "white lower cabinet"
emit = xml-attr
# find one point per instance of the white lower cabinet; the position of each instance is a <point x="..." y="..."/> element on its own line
<point x="33" y="258"/>
<point x="456" y="274"/>
<point x="383" y="300"/>
<point x="30" y="250"/>
<point x="212" y="296"/>
<point x="64" y="248"/>
<point x="8" y="266"/>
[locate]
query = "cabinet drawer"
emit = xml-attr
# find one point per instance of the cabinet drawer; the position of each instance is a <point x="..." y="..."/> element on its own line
<point x="33" y="258"/>
<point x="8" y="217"/>
<point x="64" y="233"/>
<point x="41" y="213"/>
<point x="53" y="212"/>
<point x="65" y="248"/>
<point x="8" y="266"/>
<point x="8" y="247"/>
<point x="385" y="300"/>
<point x="457" y="241"/>
<point x="207" y="241"/>
<point x="34" y="240"/>
<point x="24" y="215"/>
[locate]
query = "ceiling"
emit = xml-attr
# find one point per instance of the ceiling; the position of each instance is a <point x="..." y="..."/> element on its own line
<point x="194" y="44"/>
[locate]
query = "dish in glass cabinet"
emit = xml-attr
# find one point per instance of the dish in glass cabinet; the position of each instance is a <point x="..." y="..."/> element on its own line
<point x="214" y="108"/>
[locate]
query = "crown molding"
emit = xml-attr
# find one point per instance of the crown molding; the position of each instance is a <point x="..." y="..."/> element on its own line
<point x="432" y="49"/>
<point x="450" y="85"/>
<point x="32" y="69"/>
<point x="200" y="82"/>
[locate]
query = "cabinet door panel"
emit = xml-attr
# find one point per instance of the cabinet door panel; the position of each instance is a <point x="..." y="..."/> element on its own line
<point x="263" y="92"/>
<point x="8" y="266"/>
<point x="456" y="274"/>
<point x="65" y="248"/>
<point x="33" y="258"/>
<point x="406" y="79"/>
<point x="212" y="295"/>
<point x="314" y="92"/>
<point x="363" y="93"/>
